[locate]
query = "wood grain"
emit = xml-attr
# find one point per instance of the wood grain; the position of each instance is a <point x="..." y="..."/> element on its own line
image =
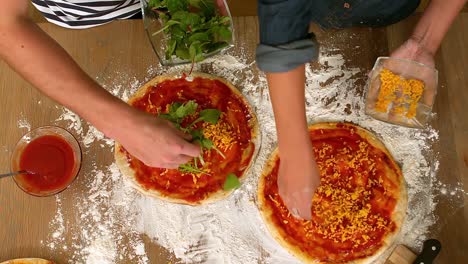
<point x="452" y="147"/>
<point x="401" y="255"/>
<point x="120" y="53"/>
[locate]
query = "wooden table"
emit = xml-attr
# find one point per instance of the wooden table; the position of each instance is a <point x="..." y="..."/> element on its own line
<point x="122" y="47"/>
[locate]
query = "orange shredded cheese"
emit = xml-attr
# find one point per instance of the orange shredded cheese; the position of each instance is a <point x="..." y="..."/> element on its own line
<point x="168" y="184"/>
<point x="221" y="134"/>
<point x="345" y="209"/>
<point x="403" y="94"/>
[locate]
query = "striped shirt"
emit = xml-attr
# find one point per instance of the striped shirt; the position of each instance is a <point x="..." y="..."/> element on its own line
<point x="86" y="13"/>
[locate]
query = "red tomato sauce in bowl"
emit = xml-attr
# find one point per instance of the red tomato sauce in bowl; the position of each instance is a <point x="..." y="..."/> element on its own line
<point x="51" y="156"/>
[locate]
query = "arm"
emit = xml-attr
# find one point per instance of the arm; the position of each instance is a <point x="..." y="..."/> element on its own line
<point x="47" y="66"/>
<point x="285" y="46"/>
<point x="298" y="174"/>
<point x="430" y="31"/>
<point x="435" y="23"/>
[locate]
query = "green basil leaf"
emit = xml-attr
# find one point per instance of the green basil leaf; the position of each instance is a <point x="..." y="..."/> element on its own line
<point x="179" y="15"/>
<point x="222" y="33"/>
<point x="188" y="168"/>
<point x="170" y="48"/>
<point x="200" y="36"/>
<point x="191" y="107"/>
<point x="174" y="106"/>
<point x="207" y="143"/>
<point x="156" y="3"/>
<point x="186" y="109"/>
<point x="225" y="20"/>
<point x="195" y="49"/>
<point x="177" y="33"/>
<point x="231" y="182"/>
<point x="167" y="117"/>
<point x="176" y="5"/>
<point x="208" y="7"/>
<point x="192" y="19"/>
<point x="196" y="134"/>
<point x="194" y="3"/>
<point x="210" y="115"/>
<point x="216" y="46"/>
<point x="182" y="53"/>
<point x="199" y="57"/>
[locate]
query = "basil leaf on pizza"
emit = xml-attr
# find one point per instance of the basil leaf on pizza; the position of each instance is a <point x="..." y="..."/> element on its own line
<point x="232" y="182"/>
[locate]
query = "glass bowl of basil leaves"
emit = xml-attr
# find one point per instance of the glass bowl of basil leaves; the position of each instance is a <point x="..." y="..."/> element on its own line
<point x="187" y="31"/>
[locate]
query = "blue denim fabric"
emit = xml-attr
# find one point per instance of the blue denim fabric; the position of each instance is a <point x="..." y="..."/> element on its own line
<point x="284" y="39"/>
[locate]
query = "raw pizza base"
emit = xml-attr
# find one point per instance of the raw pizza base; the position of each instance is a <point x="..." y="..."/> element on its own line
<point x="28" y="261"/>
<point x="121" y="159"/>
<point x="279" y="234"/>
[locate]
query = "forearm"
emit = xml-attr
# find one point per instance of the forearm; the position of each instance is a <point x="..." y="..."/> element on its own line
<point x="288" y="100"/>
<point x="435" y="22"/>
<point x="47" y="66"/>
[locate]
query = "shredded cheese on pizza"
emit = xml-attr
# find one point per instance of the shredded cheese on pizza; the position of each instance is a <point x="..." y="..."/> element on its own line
<point x="343" y="203"/>
<point x="403" y="93"/>
<point x="221" y="133"/>
<point x="354" y="210"/>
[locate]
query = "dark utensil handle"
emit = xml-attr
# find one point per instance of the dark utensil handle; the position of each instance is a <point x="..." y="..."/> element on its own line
<point x="12" y="174"/>
<point x="431" y="249"/>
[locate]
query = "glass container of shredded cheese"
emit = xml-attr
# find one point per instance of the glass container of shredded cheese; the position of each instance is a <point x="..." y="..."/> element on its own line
<point x="401" y="92"/>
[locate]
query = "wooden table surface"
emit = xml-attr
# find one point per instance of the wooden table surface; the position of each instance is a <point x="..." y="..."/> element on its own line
<point x="122" y="47"/>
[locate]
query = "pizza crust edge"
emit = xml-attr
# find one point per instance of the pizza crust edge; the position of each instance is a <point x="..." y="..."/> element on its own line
<point x="27" y="261"/>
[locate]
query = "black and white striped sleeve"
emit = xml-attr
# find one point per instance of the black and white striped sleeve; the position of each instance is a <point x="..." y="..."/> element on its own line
<point x="80" y="14"/>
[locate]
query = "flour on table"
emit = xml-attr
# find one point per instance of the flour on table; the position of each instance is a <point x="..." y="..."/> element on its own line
<point x="57" y="227"/>
<point x="114" y="217"/>
<point x="73" y="120"/>
<point x="24" y="123"/>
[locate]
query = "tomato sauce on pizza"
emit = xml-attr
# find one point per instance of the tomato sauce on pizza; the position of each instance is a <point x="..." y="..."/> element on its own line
<point x="353" y="209"/>
<point x="232" y="135"/>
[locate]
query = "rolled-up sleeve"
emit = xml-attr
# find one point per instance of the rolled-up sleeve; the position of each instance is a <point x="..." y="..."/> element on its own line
<point x="284" y="39"/>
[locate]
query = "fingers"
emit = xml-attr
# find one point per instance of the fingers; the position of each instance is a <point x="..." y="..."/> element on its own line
<point x="299" y="204"/>
<point x="303" y="204"/>
<point x="180" y="152"/>
<point x="180" y="159"/>
<point x="185" y="148"/>
<point x="181" y="146"/>
<point x="170" y="166"/>
<point x="183" y="135"/>
<point x="170" y="163"/>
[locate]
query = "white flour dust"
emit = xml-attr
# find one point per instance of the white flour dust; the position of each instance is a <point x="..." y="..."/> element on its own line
<point x="113" y="217"/>
<point x="24" y="124"/>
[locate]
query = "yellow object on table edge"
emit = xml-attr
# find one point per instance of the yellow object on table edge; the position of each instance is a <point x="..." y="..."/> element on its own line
<point x="28" y="261"/>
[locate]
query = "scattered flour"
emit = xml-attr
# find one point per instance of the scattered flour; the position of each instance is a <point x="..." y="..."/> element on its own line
<point x="113" y="217"/>
<point x="24" y="123"/>
<point x="58" y="225"/>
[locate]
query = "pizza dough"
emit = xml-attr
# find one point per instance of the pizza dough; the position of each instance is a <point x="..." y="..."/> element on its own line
<point x="236" y="135"/>
<point x="358" y="209"/>
<point x="28" y="261"/>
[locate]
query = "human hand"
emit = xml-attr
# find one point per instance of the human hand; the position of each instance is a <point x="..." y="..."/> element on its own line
<point x="413" y="50"/>
<point x="298" y="178"/>
<point x="155" y="141"/>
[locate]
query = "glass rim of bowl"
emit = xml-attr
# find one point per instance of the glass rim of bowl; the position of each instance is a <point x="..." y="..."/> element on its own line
<point x="47" y="130"/>
<point x="404" y="60"/>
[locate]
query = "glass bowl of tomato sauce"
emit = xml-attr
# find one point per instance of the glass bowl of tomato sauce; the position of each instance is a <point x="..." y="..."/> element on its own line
<point x="52" y="158"/>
